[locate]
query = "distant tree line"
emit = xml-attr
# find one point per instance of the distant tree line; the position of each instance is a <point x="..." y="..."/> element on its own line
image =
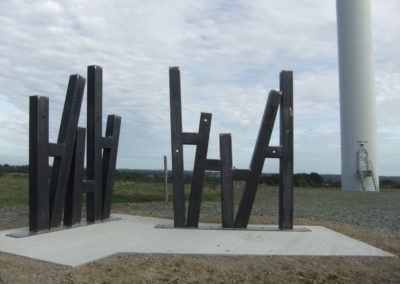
<point x="301" y="180"/>
<point x="212" y="178"/>
<point x="389" y="183"/>
<point x="6" y="168"/>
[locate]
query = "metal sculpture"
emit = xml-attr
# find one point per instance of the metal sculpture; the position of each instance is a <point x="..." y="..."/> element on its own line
<point x="179" y="139"/>
<point x="251" y="176"/>
<point x="61" y="198"/>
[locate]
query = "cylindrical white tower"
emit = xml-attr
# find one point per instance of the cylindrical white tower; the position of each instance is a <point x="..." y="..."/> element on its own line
<point x="357" y="98"/>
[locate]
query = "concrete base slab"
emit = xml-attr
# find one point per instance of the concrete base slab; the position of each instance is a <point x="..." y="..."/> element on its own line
<point x="135" y="234"/>
<point x="24" y="232"/>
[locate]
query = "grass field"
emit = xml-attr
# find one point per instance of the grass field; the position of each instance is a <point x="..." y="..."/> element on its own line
<point x="14" y="190"/>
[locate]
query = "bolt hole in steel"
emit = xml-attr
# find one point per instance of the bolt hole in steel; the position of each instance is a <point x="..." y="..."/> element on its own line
<point x="177" y="151"/>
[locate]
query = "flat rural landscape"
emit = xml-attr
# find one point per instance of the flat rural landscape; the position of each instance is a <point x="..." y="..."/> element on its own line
<point x="200" y="141"/>
<point x="370" y="217"/>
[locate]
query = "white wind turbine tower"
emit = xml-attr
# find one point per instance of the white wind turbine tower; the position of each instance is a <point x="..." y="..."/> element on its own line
<point x="357" y="98"/>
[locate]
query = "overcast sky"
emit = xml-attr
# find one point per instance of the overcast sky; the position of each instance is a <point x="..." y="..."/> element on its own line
<point x="230" y="54"/>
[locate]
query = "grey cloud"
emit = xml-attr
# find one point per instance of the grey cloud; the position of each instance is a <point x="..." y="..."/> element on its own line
<point x="230" y="54"/>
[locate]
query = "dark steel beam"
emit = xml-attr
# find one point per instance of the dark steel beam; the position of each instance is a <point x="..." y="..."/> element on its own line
<point x="257" y="161"/>
<point x="177" y="147"/>
<point x="239" y="174"/>
<point x="225" y="146"/>
<point x="189" y="138"/>
<point x="62" y="165"/>
<point x="199" y="170"/>
<point x="274" y="152"/>
<point x="88" y="186"/>
<point x="38" y="163"/>
<point x="213" y="165"/>
<point x="286" y="161"/>
<point x="56" y="150"/>
<point x="73" y="200"/>
<point x="109" y="162"/>
<point x="94" y="207"/>
<point x="107" y="142"/>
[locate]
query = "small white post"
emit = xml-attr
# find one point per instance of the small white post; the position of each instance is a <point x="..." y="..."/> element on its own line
<point x="165" y="179"/>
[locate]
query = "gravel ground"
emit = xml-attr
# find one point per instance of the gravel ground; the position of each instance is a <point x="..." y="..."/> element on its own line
<point x="366" y="209"/>
<point x="370" y="217"/>
<point x="370" y="210"/>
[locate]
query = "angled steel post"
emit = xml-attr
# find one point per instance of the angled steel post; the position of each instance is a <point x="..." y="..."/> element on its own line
<point x="62" y="165"/>
<point x="177" y="147"/>
<point x="227" y="203"/>
<point x="110" y="145"/>
<point x="38" y="163"/>
<point x="73" y="199"/>
<point x="257" y="161"/>
<point x="94" y="148"/>
<point x="199" y="170"/>
<point x="286" y="161"/>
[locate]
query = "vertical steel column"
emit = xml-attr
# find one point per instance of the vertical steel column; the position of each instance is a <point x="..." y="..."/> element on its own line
<point x="286" y="161"/>
<point x="257" y="161"/>
<point x="73" y="200"/>
<point x="198" y="170"/>
<point x="94" y="148"/>
<point x="62" y="165"/>
<point x="110" y="144"/>
<point x="227" y="205"/>
<point x="38" y="163"/>
<point x="177" y="147"/>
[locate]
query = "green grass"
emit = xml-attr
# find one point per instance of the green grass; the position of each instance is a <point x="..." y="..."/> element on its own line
<point x="14" y="190"/>
<point x="128" y="191"/>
